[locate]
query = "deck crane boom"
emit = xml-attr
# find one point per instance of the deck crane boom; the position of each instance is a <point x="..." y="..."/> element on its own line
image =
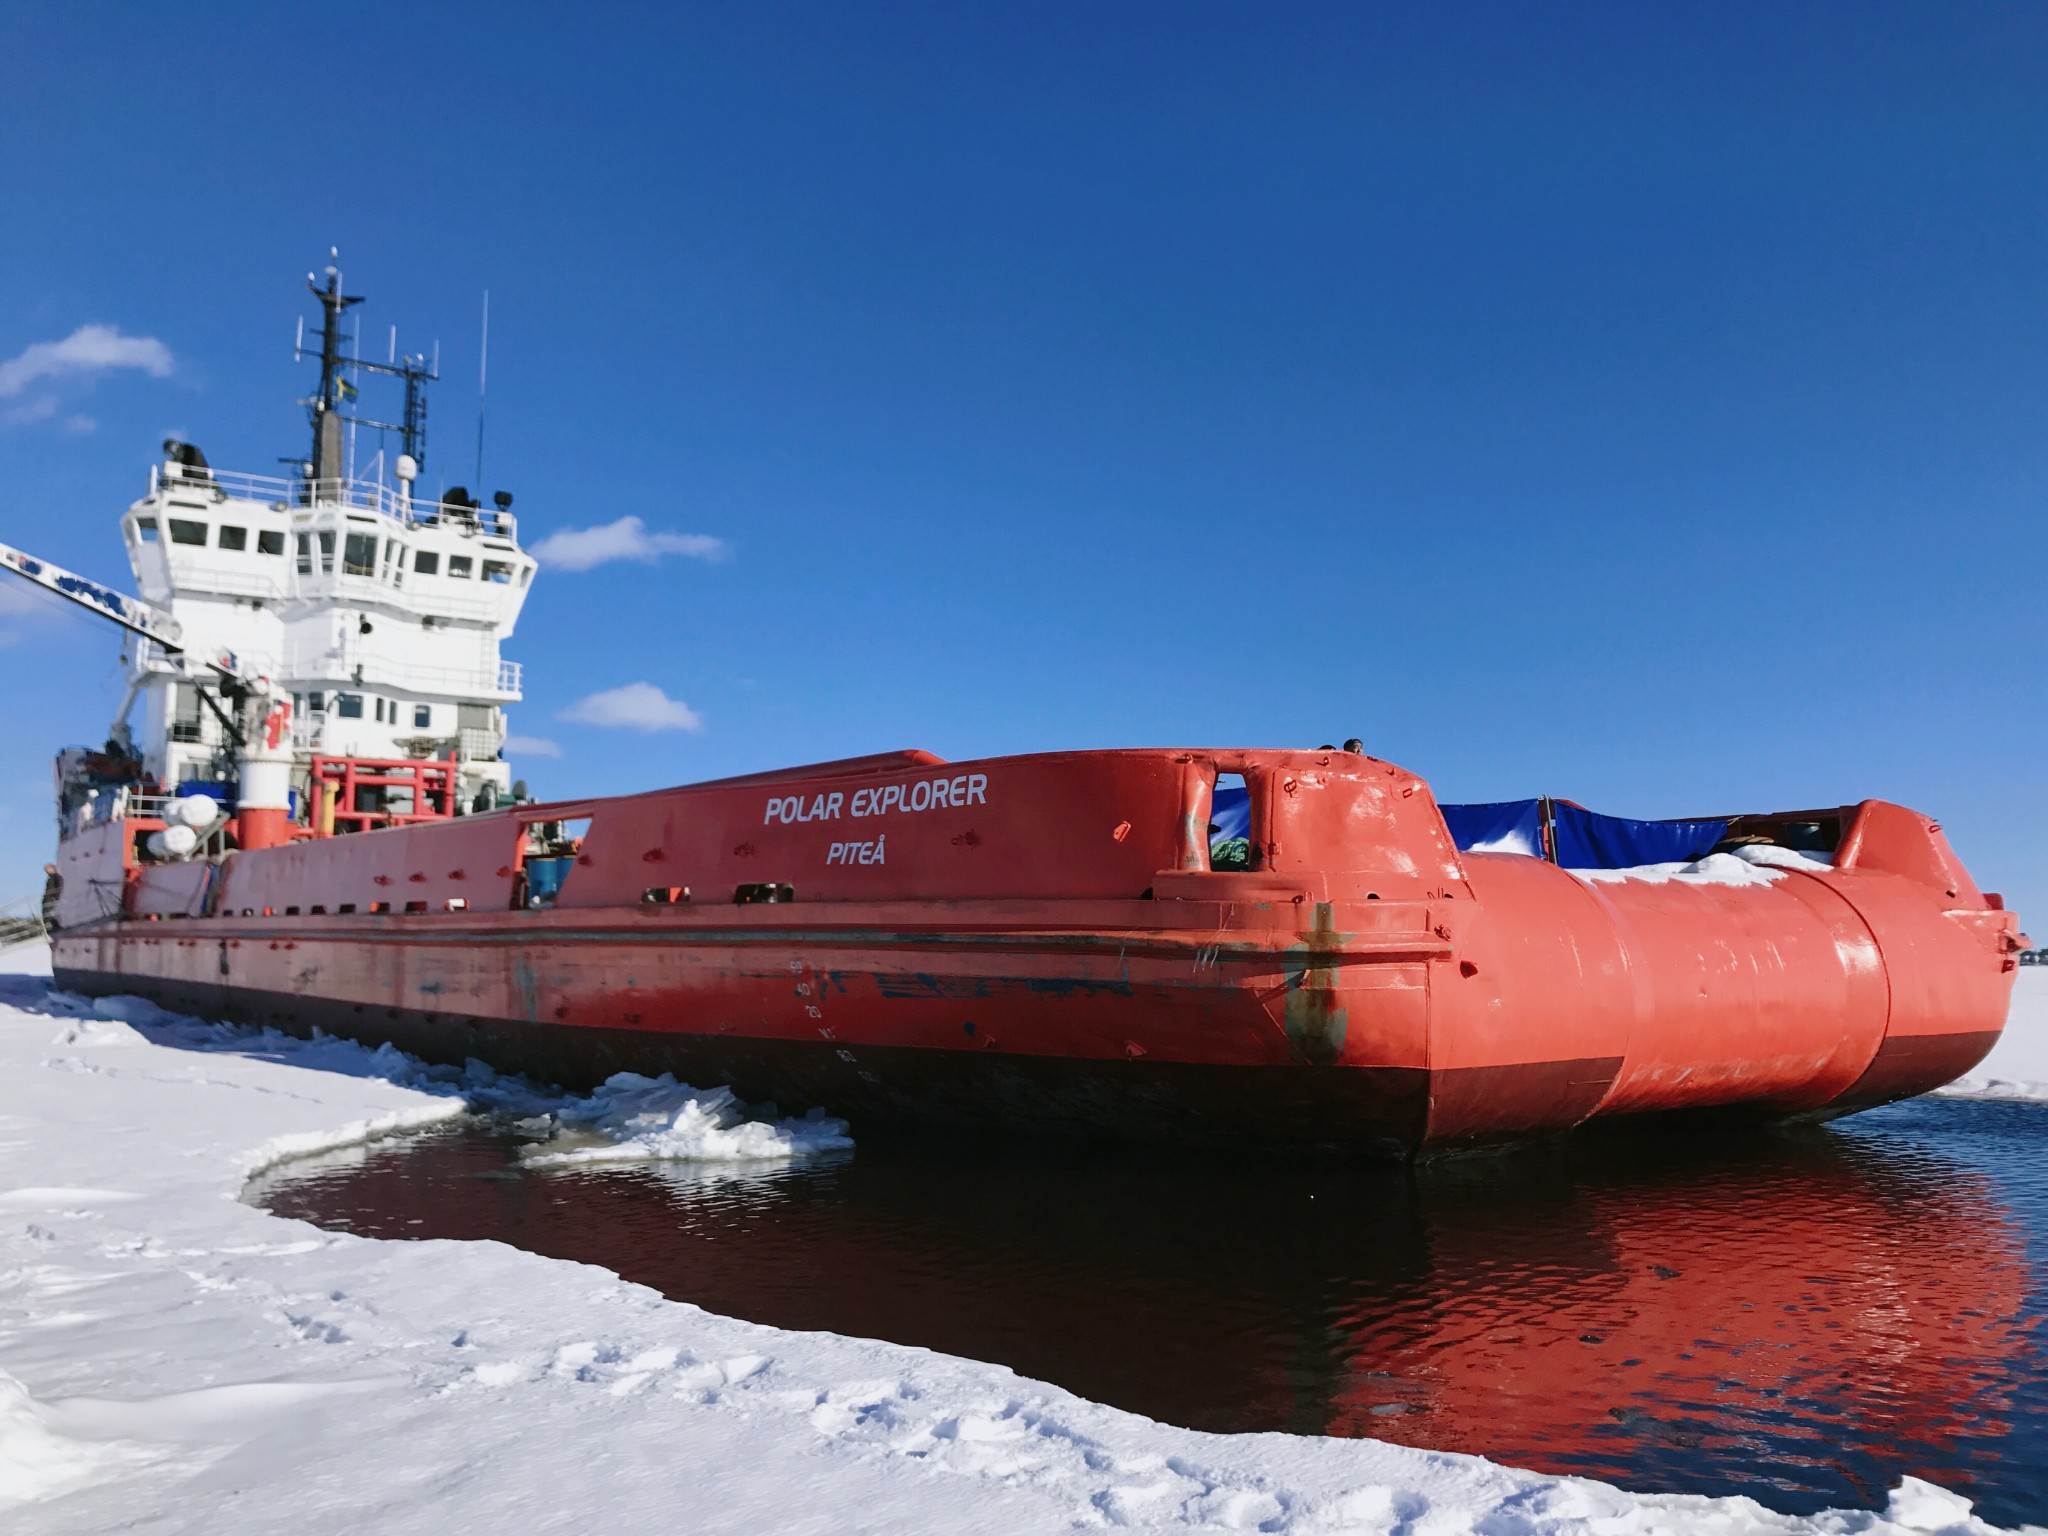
<point x="131" y="613"/>
<point x="259" y="730"/>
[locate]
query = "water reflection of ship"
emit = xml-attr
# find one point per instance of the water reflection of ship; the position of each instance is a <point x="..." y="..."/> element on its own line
<point x="1809" y="1297"/>
<point x="1843" y="1312"/>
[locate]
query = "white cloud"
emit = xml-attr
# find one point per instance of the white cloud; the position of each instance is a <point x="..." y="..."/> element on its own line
<point x="88" y="350"/>
<point x="80" y="423"/>
<point x="531" y="746"/>
<point x="42" y="408"/>
<point x="637" y="707"/>
<point x="581" y="549"/>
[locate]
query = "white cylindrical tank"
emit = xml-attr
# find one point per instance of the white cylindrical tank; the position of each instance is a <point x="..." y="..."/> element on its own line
<point x="195" y="811"/>
<point x="263" y="809"/>
<point x="174" y="842"/>
<point x="266" y="782"/>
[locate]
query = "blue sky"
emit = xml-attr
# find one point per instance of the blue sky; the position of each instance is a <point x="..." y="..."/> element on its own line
<point x="1630" y="403"/>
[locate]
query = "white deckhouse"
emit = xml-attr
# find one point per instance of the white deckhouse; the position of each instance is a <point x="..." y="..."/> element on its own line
<point x="377" y="613"/>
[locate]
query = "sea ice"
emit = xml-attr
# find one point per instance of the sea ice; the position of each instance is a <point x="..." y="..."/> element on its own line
<point x="656" y="1119"/>
<point x="181" y="1361"/>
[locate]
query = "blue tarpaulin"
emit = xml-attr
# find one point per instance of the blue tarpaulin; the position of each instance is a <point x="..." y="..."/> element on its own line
<point x="1585" y="839"/>
<point x="1497" y="826"/>
<point x="1231" y="813"/>
<point x="1588" y="840"/>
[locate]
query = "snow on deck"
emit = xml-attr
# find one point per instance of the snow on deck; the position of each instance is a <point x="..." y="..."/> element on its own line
<point x="174" y="1360"/>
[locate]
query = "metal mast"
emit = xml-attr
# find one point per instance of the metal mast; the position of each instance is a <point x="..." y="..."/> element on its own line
<point x="413" y="427"/>
<point x="326" y="406"/>
<point x="326" y="418"/>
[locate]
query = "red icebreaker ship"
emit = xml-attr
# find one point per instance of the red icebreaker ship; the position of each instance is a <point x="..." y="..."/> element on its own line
<point x="315" y="826"/>
<point x="1045" y="942"/>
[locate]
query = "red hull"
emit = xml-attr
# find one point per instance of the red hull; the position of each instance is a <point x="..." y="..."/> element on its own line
<point x="1039" y="941"/>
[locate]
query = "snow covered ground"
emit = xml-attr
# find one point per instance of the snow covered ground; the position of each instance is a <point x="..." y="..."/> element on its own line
<point x="2017" y="1067"/>
<point x="174" y="1360"/>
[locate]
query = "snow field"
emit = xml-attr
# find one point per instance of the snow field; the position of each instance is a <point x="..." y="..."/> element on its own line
<point x="174" y="1360"/>
<point x="2017" y="1067"/>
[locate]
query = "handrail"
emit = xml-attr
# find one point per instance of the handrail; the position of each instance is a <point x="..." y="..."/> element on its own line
<point x="485" y="679"/>
<point x="285" y="493"/>
<point x="21" y="922"/>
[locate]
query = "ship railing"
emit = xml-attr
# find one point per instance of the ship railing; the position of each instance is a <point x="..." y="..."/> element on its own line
<point x="152" y="657"/>
<point x="109" y="804"/>
<point x="478" y="682"/>
<point x="235" y="583"/>
<point x="475" y="745"/>
<point x="21" y="922"/>
<point x="487" y="606"/>
<point x="284" y="492"/>
<point x="308" y="735"/>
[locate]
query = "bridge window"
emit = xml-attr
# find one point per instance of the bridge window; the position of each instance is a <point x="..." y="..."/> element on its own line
<point x="349" y="705"/>
<point x="422" y="716"/>
<point x="316" y="703"/>
<point x="185" y="531"/>
<point x="459" y="565"/>
<point x="270" y="541"/>
<point x="186" y="722"/>
<point x="358" y="556"/>
<point x="233" y="538"/>
<point x="145" y="529"/>
<point x="427" y="562"/>
<point x="497" y="570"/>
<point x="327" y="551"/>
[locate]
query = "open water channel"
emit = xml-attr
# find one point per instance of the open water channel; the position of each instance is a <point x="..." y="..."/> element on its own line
<point x="1801" y="1316"/>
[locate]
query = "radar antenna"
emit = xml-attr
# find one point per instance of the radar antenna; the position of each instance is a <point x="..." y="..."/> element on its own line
<point x="326" y="406"/>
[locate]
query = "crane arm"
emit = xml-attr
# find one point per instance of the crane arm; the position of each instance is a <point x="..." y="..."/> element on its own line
<point x="131" y="613"/>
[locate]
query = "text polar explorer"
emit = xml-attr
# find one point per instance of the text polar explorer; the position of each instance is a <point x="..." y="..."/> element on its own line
<point x="925" y="795"/>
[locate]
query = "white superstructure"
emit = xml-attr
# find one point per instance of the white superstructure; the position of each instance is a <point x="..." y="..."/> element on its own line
<point x="378" y="615"/>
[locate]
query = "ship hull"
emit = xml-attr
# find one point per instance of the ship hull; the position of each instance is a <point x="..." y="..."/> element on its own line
<point x="1118" y="1034"/>
<point x="1106" y="1033"/>
<point x="1380" y="1112"/>
<point x="1074" y="969"/>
